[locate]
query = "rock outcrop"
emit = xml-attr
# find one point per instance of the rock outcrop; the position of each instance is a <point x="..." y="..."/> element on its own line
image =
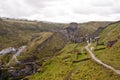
<point x="96" y="33"/>
<point x="73" y="33"/>
<point x="7" y="50"/>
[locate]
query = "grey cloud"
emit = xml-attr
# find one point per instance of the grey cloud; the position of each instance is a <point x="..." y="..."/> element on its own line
<point x="39" y="3"/>
<point x="102" y="3"/>
<point x="99" y="7"/>
<point x="15" y="8"/>
<point x="61" y="10"/>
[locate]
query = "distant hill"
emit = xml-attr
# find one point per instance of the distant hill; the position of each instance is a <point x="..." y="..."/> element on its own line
<point x="93" y="25"/>
<point x="20" y="31"/>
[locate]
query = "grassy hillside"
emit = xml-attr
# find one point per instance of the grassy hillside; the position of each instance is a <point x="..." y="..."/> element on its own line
<point x="92" y="26"/>
<point x="110" y="55"/>
<point x="58" y="67"/>
<point x="45" y="46"/>
<point x="16" y="33"/>
<point x="62" y="67"/>
<point x="48" y="48"/>
<point x="32" y="34"/>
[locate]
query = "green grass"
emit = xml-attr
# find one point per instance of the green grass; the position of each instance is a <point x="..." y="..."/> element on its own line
<point x="16" y="33"/>
<point x="89" y="70"/>
<point x="58" y="67"/>
<point x="62" y="68"/>
<point x="51" y="44"/>
<point x="90" y="27"/>
<point x="32" y="45"/>
<point x="111" y="55"/>
<point x="81" y="56"/>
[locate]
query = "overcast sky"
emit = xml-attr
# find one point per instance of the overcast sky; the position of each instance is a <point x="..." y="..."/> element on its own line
<point x="61" y="10"/>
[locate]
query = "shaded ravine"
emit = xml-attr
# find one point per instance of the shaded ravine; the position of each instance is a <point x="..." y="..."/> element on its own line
<point x="99" y="61"/>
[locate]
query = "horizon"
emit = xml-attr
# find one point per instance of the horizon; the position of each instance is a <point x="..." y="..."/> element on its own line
<point x="22" y="19"/>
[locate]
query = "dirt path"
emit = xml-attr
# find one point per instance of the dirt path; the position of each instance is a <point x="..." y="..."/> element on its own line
<point x="99" y="61"/>
<point x="15" y="55"/>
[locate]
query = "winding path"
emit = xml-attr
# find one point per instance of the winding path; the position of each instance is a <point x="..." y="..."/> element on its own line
<point x="15" y="55"/>
<point x="99" y="61"/>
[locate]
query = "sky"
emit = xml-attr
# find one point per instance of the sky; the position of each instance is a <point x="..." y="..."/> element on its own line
<point x="63" y="11"/>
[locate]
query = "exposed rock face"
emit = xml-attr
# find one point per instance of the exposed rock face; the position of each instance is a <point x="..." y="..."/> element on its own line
<point x="96" y="33"/>
<point x="7" y="50"/>
<point x="73" y="33"/>
<point x="14" y="73"/>
<point x="26" y="69"/>
<point x="72" y="28"/>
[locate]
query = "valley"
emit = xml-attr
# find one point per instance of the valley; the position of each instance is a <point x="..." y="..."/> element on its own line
<point x="59" y="51"/>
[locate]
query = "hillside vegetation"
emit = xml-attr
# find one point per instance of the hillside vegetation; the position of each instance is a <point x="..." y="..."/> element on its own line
<point x="17" y="34"/>
<point x="86" y="69"/>
<point x="92" y="26"/>
<point x="51" y="52"/>
<point x="12" y="31"/>
<point x="45" y="46"/>
<point x="110" y="55"/>
<point x="62" y="67"/>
